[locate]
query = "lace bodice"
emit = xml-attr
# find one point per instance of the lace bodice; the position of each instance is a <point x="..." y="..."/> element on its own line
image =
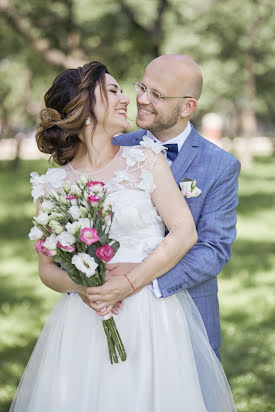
<point x="129" y="181"/>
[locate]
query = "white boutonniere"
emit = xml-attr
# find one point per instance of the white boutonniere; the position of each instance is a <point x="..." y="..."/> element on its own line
<point x="189" y="188"/>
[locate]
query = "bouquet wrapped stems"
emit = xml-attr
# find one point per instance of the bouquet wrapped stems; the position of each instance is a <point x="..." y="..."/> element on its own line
<point x="114" y="340"/>
<point x="115" y="345"/>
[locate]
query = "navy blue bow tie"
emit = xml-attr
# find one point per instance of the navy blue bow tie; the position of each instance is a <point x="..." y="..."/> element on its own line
<point x="172" y="151"/>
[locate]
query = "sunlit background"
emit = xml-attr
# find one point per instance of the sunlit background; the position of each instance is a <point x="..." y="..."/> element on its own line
<point x="233" y="42"/>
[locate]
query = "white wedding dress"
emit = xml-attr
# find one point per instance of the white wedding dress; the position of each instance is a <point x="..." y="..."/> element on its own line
<point x="170" y="365"/>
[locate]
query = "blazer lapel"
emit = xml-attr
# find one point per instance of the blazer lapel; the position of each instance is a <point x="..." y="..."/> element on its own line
<point x="186" y="155"/>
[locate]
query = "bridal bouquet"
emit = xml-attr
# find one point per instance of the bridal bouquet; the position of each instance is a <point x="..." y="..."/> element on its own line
<point x="74" y="230"/>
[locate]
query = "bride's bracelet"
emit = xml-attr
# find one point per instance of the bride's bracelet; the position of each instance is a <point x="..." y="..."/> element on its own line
<point x="129" y="282"/>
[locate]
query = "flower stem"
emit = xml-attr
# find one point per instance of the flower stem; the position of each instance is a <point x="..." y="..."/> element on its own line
<point x="116" y="342"/>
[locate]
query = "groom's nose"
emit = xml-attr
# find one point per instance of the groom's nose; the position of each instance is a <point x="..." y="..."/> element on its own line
<point x="143" y="98"/>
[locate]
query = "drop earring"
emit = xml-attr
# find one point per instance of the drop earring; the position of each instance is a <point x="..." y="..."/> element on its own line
<point x="88" y="121"/>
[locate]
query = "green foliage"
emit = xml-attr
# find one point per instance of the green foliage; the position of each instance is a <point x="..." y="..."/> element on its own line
<point x="126" y="35"/>
<point x="246" y="287"/>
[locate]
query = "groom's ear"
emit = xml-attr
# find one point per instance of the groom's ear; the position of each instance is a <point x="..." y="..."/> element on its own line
<point x="189" y="107"/>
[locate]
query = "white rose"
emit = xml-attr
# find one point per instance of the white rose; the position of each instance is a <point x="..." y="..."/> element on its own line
<point x="107" y="207"/>
<point x="66" y="187"/>
<point x="85" y="222"/>
<point x="51" y="241"/>
<point x="35" y="233"/>
<point x="66" y="239"/>
<point x="186" y="186"/>
<point x="85" y="263"/>
<point x="73" y="227"/>
<point x="42" y="218"/>
<point x="56" y="227"/>
<point x="97" y="188"/>
<point x="53" y="193"/>
<point x="84" y="179"/>
<point x="56" y="215"/>
<point x="196" y="192"/>
<point x="75" y="212"/>
<point x="47" y="206"/>
<point x="84" y="211"/>
<point x="75" y="190"/>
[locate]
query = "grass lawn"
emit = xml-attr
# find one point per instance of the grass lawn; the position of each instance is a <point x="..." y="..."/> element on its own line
<point x="246" y="287"/>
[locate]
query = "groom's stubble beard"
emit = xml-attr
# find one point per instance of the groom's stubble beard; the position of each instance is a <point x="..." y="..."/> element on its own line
<point x="164" y="122"/>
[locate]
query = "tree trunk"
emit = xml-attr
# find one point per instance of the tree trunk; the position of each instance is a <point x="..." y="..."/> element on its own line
<point x="248" y="120"/>
<point x="248" y="114"/>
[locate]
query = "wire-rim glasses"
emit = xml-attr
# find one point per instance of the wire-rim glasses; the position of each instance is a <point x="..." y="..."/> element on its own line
<point x="154" y="95"/>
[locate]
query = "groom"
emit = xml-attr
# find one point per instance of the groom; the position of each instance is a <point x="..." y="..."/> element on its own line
<point x="166" y="97"/>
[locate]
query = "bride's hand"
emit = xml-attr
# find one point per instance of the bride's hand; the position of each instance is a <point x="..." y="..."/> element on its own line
<point x="114" y="309"/>
<point x="103" y="298"/>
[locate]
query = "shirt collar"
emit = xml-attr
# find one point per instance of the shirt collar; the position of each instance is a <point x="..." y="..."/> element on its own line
<point x="179" y="140"/>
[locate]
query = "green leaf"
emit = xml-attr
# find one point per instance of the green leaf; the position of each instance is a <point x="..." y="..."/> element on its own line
<point x="115" y="246"/>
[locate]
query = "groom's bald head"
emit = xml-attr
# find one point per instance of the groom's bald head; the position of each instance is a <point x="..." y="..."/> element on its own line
<point x="180" y="72"/>
<point x="177" y="79"/>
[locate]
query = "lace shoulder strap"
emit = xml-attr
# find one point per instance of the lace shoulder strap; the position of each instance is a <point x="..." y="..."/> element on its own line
<point x="140" y="160"/>
<point x="49" y="182"/>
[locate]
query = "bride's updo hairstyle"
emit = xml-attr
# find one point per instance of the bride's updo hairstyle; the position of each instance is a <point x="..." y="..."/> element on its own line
<point x="69" y="101"/>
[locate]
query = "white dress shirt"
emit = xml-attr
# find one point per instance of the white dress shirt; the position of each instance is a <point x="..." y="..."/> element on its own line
<point x="179" y="140"/>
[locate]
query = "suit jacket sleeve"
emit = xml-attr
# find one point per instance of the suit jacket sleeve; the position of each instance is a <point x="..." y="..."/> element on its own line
<point x="216" y="232"/>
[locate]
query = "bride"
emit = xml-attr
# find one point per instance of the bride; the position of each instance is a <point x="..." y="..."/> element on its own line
<point x="170" y="365"/>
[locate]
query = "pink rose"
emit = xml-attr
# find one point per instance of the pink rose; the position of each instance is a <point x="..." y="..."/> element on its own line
<point x="96" y="186"/>
<point x="108" y="217"/>
<point x="47" y="252"/>
<point x="71" y="197"/>
<point x="104" y="253"/>
<point x="39" y="245"/>
<point x="94" y="199"/>
<point x="69" y="249"/>
<point x="89" y="235"/>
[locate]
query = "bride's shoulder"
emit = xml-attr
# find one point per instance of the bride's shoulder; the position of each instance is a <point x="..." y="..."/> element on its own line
<point x="51" y="180"/>
<point x="146" y="150"/>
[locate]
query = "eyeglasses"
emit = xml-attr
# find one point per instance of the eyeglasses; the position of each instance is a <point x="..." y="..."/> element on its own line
<point x="154" y="95"/>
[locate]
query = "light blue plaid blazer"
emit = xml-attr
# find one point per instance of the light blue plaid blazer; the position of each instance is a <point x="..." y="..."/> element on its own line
<point x="214" y="213"/>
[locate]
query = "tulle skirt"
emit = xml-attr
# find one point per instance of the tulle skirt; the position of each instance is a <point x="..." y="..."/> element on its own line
<point x="170" y="365"/>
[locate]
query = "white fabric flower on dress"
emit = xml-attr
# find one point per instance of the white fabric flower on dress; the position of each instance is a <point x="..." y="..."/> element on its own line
<point x="54" y="176"/>
<point x="37" y="185"/>
<point x="37" y="192"/>
<point x="121" y="176"/>
<point x="154" y="146"/>
<point x="85" y="263"/>
<point x="133" y="155"/>
<point x="147" y="181"/>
